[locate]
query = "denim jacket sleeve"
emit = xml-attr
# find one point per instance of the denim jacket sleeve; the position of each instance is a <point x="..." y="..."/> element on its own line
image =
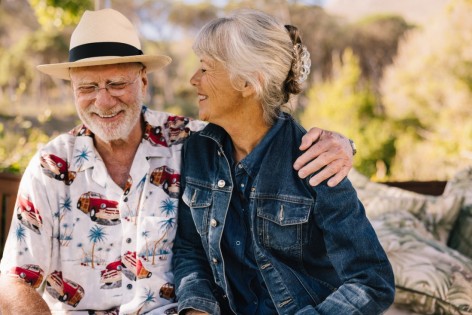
<point x="193" y="276"/>
<point x="355" y="251"/>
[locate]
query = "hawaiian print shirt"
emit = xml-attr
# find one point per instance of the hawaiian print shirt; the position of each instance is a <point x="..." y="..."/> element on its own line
<point x="85" y="243"/>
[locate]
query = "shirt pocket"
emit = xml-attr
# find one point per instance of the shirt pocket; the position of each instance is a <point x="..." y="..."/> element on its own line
<point x="199" y="200"/>
<point x="283" y="225"/>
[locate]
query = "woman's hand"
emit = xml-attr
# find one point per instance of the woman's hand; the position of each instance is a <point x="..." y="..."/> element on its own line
<point x="327" y="149"/>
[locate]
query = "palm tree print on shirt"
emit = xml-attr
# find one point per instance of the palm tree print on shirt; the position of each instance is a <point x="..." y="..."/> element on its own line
<point x="161" y="245"/>
<point x="96" y="235"/>
<point x="82" y="156"/>
<point x="148" y="297"/>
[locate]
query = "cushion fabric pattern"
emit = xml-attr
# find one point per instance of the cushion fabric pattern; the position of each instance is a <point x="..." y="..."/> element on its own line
<point x="415" y="231"/>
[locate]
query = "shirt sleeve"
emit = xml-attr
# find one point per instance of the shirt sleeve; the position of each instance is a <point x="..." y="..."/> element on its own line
<point x="355" y="252"/>
<point x="28" y="249"/>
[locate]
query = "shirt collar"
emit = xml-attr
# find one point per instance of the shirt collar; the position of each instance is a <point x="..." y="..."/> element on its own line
<point x="85" y="155"/>
<point x="252" y="161"/>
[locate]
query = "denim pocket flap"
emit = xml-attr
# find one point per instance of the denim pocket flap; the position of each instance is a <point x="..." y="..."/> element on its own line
<point x="197" y="197"/>
<point x="283" y="212"/>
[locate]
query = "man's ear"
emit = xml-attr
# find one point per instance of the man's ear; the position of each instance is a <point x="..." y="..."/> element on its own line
<point x="144" y="79"/>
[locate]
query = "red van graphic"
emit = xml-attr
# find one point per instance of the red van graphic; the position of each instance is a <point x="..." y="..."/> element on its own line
<point x="112" y="273"/>
<point x="58" y="167"/>
<point x="154" y="135"/>
<point x="177" y="135"/>
<point x="135" y="265"/>
<point x="177" y="130"/>
<point x="176" y="121"/>
<point x="167" y="179"/>
<point x="98" y="207"/>
<point x="28" y="214"/>
<point x="31" y="274"/>
<point x="64" y="290"/>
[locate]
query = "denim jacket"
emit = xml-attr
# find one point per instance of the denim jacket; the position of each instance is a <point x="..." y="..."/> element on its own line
<point x="314" y="246"/>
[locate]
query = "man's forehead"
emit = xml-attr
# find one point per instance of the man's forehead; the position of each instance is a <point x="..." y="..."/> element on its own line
<point x="104" y="70"/>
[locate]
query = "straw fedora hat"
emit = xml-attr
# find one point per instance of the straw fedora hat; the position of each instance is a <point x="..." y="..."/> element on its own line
<point x="104" y="37"/>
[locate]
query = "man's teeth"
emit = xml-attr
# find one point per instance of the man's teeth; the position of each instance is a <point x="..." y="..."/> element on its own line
<point x="202" y="97"/>
<point x="108" y="115"/>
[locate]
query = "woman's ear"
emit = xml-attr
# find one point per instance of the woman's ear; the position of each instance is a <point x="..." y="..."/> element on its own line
<point x="248" y="90"/>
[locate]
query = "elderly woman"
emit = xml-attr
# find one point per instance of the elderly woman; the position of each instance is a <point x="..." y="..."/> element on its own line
<point x="254" y="238"/>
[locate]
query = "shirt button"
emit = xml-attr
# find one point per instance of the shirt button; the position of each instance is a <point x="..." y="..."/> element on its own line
<point x="240" y="166"/>
<point x="238" y="243"/>
<point x="213" y="223"/>
<point x="129" y="286"/>
<point x="219" y="153"/>
<point x="128" y="240"/>
<point x="221" y="183"/>
<point x="253" y="189"/>
<point x="215" y="261"/>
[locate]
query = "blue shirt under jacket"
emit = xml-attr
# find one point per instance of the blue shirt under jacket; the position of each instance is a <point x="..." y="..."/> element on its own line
<point x="245" y="281"/>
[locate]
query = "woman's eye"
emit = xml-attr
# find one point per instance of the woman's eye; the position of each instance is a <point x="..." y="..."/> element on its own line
<point x="203" y="70"/>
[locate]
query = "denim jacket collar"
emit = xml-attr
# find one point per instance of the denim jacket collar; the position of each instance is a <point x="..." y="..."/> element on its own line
<point x="252" y="162"/>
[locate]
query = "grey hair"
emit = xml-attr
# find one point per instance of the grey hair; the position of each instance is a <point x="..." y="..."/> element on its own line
<point x="255" y="47"/>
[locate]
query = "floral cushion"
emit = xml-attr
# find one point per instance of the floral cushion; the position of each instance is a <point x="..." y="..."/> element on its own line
<point x="430" y="278"/>
<point x="461" y="235"/>
<point x="437" y="213"/>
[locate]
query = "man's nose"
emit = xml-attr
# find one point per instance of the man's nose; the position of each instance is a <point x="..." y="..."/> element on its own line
<point x="104" y="97"/>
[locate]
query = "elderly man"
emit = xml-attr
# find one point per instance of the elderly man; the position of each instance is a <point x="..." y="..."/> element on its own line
<point x="95" y="216"/>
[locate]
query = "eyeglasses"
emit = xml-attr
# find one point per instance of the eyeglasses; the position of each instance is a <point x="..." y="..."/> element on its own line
<point x="90" y="91"/>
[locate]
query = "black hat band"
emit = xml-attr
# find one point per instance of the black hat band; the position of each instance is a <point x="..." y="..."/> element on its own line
<point x="101" y="50"/>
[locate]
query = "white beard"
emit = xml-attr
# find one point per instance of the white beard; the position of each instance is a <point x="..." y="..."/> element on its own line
<point x="119" y="130"/>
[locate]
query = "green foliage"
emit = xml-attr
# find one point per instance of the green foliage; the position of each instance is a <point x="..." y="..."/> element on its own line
<point x="59" y="13"/>
<point x="348" y="105"/>
<point x="21" y="59"/>
<point x="430" y="82"/>
<point x="411" y="121"/>
<point x="17" y="148"/>
<point x="375" y="40"/>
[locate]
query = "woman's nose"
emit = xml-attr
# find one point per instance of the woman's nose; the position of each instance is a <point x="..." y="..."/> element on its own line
<point x="195" y="78"/>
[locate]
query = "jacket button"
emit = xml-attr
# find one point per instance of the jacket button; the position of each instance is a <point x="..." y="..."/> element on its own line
<point x="213" y="223"/>
<point x="215" y="261"/>
<point x="221" y="183"/>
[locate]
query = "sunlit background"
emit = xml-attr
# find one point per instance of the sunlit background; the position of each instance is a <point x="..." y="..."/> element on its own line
<point x="396" y="76"/>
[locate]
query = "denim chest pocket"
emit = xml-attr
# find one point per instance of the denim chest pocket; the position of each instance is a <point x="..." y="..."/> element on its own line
<point x="199" y="200"/>
<point x="283" y="225"/>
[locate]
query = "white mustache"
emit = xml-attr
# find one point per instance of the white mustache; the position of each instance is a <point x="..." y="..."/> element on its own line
<point x="104" y="114"/>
